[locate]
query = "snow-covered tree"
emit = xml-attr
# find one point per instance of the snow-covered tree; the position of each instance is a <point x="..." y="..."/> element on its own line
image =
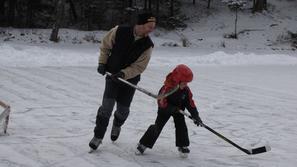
<point x="235" y="5"/>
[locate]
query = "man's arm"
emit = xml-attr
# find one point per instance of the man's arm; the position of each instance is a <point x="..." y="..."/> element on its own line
<point x="106" y="45"/>
<point x="139" y="65"/>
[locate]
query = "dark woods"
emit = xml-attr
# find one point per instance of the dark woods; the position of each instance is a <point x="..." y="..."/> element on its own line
<point x="81" y="14"/>
<point x="94" y="14"/>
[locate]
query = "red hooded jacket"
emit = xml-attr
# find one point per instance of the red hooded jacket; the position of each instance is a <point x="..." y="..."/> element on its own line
<point x="182" y="98"/>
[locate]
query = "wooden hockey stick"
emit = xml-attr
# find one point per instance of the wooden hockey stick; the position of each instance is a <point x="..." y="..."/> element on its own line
<point x="161" y="96"/>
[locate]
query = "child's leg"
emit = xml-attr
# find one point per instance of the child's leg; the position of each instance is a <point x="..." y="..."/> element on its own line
<point x="151" y="135"/>
<point x="181" y="130"/>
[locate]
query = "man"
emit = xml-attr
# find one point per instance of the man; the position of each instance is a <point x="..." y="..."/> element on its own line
<point x="125" y="52"/>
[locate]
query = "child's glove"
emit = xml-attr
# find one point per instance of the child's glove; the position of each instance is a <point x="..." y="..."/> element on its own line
<point x="197" y="120"/>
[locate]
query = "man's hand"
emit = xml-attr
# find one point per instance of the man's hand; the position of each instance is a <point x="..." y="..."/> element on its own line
<point x="115" y="76"/>
<point x="101" y="69"/>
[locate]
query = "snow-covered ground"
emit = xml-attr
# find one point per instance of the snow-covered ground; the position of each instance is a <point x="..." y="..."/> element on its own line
<point x="245" y="89"/>
<point x="55" y="91"/>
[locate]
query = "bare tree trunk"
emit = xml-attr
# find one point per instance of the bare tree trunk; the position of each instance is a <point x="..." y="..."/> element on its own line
<point x="194" y="2"/>
<point x="157" y="9"/>
<point x="171" y="8"/>
<point x="30" y="11"/>
<point x="59" y="17"/>
<point x="208" y="4"/>
<point x="235" y="31"/>
<point x="260" y="5"/>
<point x="87" y="13"/>
<point x="150" y="5"/>
<point x="11" y="12"/>
<point x="73" y="11"/>
<point x="145" y="4"/>
<point x="2" y="9"/>
<point x="2" y="13"/>
<point x="130" y="4"/>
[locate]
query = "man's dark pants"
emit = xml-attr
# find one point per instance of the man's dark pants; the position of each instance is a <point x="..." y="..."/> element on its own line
<point x="115" y="92"/>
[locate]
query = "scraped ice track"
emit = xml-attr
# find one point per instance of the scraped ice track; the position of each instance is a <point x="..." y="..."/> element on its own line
<point x="54" y="109"/>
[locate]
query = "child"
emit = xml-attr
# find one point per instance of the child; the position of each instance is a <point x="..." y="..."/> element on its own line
<point x="170" y="106"/>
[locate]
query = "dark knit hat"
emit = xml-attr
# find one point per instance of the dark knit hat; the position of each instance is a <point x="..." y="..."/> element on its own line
<point x="145" y="18"/>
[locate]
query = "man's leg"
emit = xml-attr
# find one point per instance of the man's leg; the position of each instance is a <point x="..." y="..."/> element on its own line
<point x="104" y="113"/>
<point x="124" y="99"/>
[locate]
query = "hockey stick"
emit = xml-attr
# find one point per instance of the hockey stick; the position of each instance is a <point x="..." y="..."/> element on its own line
<point x="5" y="114"/>
<point x="247" y="151"/>
<point x="161" y="96"/>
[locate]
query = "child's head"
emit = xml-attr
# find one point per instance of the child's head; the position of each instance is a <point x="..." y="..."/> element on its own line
<point x="181" y="74"/>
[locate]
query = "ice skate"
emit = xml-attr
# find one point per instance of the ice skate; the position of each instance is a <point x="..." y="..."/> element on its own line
<point x="183" y="152"/>
<point x="140" y="149"/>
<point x="94" y="143"/>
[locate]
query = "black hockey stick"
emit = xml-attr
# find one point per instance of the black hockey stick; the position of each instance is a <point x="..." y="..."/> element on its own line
<point x="247" y="151"/>
<point x="161" y="96"/>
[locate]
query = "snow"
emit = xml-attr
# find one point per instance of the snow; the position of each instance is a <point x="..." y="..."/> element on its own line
<point x="19" y="55"/>
<point x="54" y="100"/>
<point x="245" y="91"/>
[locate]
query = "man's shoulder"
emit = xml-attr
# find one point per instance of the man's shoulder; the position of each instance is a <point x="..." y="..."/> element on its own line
<point x="150" y="41"/>
<point x="125" y="30"/>
<point x="147" y="41"/>
<point x="123" y="27"/>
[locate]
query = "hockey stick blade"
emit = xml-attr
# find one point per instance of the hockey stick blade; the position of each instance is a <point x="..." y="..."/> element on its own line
<point x="249" y="152"/>
<point x="260" y="150"/>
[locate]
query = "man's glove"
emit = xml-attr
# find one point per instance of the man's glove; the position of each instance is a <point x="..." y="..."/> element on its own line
<point x="197" y="120"/>
<point x="101" y="69"/>
<point x="115" y="76"/>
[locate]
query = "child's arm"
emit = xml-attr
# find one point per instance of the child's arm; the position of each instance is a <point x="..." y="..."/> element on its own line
<point x="191" y="107"/>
